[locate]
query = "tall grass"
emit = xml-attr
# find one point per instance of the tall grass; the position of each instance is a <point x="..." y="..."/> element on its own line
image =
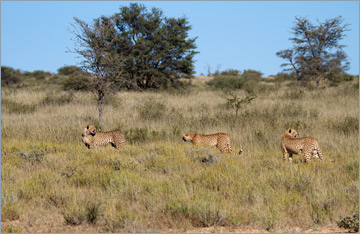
<point x="158" y="182"/>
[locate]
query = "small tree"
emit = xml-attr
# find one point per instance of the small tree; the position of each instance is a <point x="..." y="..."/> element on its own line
<point x="10" y="76"/>
<point x="95" y="45"/>
<point x="236" y="102"/>
<point x="316" y="54"/>
<point x="208" y="69"/>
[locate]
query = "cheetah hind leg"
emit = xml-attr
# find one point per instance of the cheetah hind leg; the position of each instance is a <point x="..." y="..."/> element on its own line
<point x="307" y="157"/>
<point x="317" y="154"/>
<point x="290" y="157"/>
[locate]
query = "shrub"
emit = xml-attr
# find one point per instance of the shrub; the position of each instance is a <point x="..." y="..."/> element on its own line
<point x="226" y="82"/>
<point x="351" y="223"/>
<point x="206" y="214"/>
<point x="280" y="77"/>
<point x="251" y="75"/>
<point x="57" y="198"/>
<point x="69" y="70"/>
<point x="9" y="211"/>
<point x="230" y="72"/>
<point x="38" y="74"/>
<point x="177" y="209"/>
<point x="207" y="160"/>
<point x="11" y="229"/>
<point x="92" y="212"/>
<point x="74" y="216"/>
<point x="77" y="82"/>
<point x="10" y="76"/>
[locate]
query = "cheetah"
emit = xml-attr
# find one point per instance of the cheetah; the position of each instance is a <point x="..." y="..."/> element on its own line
<point x="92" y="138"/>
<point x="291" y="144"/>
<point x="222" y="141"/>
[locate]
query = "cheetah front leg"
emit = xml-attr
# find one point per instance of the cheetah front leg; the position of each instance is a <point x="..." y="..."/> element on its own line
<point x="284" y="152"/>
<point x="230" y="151"/>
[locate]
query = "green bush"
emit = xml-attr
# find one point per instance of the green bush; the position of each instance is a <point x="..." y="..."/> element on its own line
<point x="251" y="75"/>
<point x="230" y="72"/>
<point x="69" y="70"/>
<point x="77" y="82"/>
<point x="10" y="76"/>
<point x="38" y="74"/>
<point x="281" y="77"/>
<point x="226" y="82"/>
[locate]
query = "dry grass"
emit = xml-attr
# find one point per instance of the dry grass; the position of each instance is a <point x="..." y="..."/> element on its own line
<point x="159" y="183"/>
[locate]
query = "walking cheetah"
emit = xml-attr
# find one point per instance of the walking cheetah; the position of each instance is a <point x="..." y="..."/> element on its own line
<point x="290" y="144"/>
<point x="222" y="141"/>
<point x="92" y="138"/>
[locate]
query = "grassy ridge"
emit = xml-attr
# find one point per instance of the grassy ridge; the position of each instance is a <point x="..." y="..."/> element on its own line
<point x="157" y="182"/>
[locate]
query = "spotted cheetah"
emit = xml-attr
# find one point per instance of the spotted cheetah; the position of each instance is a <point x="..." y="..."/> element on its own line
<point x="92" y="138"/>
<point x="222" y="141"/>
<point x="291" y="144"/>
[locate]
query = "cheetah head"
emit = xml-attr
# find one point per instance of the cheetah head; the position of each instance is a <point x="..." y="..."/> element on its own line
<point x="292" y="133"/>
<point x="91" y="129"/>
<point x="188" y="136"/>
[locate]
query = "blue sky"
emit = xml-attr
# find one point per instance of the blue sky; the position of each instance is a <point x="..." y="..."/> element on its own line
<point x="35" y="35"/>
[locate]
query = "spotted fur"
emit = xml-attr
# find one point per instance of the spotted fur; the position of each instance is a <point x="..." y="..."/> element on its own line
<point x="222" y="141"/>
<point x="92" y="138"/>
<point x="291" y="144"/>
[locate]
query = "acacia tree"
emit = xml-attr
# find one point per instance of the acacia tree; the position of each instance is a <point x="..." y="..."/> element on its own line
<point x="157" y="49"/>
<point x="95" y="45"/>
<point x="134" y="49"/>
<point x="316" y="54"/>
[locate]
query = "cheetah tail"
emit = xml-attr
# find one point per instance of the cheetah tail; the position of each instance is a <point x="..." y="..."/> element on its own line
<point x="240" y="151"/>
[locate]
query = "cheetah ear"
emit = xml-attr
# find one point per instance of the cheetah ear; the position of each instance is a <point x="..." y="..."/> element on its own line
<point x="289" y="130"/>
<point x="87" y="127"/>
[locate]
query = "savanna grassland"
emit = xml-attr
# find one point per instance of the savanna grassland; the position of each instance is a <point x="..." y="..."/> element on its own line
<point x="50" y="182"/>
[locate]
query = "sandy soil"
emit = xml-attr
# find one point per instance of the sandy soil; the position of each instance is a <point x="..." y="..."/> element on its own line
<point x="86" y="228"/>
